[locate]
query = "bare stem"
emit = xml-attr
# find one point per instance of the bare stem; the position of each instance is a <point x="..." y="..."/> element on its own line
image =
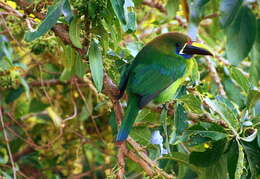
<point x="7" y="143"/>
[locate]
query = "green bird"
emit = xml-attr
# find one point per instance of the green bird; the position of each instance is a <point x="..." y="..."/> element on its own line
<point x="153" y="72"/>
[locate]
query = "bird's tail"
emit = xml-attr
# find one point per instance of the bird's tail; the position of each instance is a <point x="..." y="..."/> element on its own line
<point x="129" y="118"/>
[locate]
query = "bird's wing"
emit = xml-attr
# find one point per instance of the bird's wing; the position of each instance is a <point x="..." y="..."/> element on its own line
<point x="148" y="81"/>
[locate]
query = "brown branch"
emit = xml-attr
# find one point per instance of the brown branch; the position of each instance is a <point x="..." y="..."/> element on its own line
<point x="211" y="16"/>
<point x="152" y="163"/>
<point x="162" y="9"/>
<point x="121" y="161"/>
<point x="215" y="76"/>
<point x="155" y="5"/>
<point x="88" y="173"/>
<point x="206" y="118"/>
<point x="54" y="82"/>
<point x="7" y="142"/>
<point x="111" y="90"/>
<point x="22" y="153"/>
<point x="149" y="171"/>
<point x="10" y="9"/>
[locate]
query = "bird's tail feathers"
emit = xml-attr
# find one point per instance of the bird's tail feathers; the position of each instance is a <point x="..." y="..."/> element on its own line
<point x="129" y="118"/>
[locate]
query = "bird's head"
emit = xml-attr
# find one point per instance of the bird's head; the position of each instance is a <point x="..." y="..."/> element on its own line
<point x="179" y="44"/>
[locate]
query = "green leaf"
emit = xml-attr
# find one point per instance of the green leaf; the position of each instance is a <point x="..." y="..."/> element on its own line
<point x="241" y="80"/>
<point x="66" y="10"/>
<point x="241" y="35"/>
<point x="253" y="156"/>
<point x="182" y="158"/>
<point x="130" y="16"/>
<point x="148" y="117"/>
<point x="163" y="119"/>
<point x="125" y="14"/>
<point x="54" y="12"/>
<point x="213" y="135"/>
<point x="69" y="61"/>
<point x="142" y="135"/>
<point x="131" y="23"/>
<point x="80" y="67"/>
<point x="66" y="74"/>
<point x="13" y="94"/>
<point x="255" y="56"/>
<point x="232" y="158"/>
<point x="197" y="10"/>
<point x="96" y="65"/>
<point x="3" y="155"/>
<point x="233" y="92"/>
<point x="25" y="86"/>
<point x="74" y="32"/>
<point x="6" y="175"/>
<point x="253" y="97"/>
<point x="224" y="111"/>
<point x="210" y="156"/>
<point x="57" y="120"/>
<point x="216" y="171"/>
<point x="235" y="160"/>
<point x="70" y="57"/>
<point x="227" y="102"/>
<point x="228" y="11"/>
<point x="196" y="14"/>
<point x="240" y="162"/>
<point x="192" y="103"/>
<point x="118" y="7"/>
<point x="5" y="49"/>
<point x="172" y="7"/>
<point x="258" y="138"/>
<point x="180" y="119"/>
<point x="21" y="107"/>
<point x="37" y="106"/>
<point x="205" y="130"/>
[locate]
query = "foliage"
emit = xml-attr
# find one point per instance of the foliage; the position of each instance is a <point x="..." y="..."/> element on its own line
<point x="58" y="121"/>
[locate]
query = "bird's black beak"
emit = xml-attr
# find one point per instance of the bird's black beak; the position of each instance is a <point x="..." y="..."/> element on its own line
<point x="194" y="49"/>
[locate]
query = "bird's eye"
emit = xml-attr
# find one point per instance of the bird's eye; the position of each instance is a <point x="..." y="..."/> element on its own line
<point x="178" y="44"/>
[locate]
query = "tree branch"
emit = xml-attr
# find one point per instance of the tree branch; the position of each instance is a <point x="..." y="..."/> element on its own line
<point x="161" y="8"/>
<point x="155" y="5"/>
<point x="7" y="143"/>
<point x="215" y="76"/>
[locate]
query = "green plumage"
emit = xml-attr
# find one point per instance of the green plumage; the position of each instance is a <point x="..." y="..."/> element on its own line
<point x="156" y="67"/>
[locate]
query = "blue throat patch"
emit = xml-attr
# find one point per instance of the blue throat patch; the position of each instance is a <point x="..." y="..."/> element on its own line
<point x="187" y="56"/>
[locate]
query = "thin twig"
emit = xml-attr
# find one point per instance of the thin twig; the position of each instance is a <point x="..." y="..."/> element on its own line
<point x="44" y="87"/>
<point x="7" y="143"/>
<point x="211" y="16"/>
<point x="88" y="173"/>
<point x="162" y="9"/>
<point x="74" y="114"/>
<point x="121" y="161"/>
<point x="88" y="109"/>
<point x="10" y="9"/>
<point x="215" y="76"/>
<point x="155" y="5"/>
<point x="152" y="163"/>
<point x="147" y="168"/>
<point x="111" y="90"/>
